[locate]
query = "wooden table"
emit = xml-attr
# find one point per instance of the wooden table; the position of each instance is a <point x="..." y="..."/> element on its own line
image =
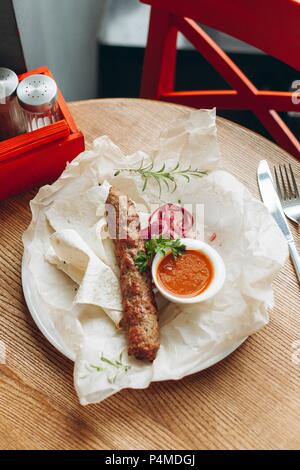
<point x="249" y="400"/>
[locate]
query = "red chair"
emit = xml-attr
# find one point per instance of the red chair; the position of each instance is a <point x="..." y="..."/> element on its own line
<point x="270" y="25"/>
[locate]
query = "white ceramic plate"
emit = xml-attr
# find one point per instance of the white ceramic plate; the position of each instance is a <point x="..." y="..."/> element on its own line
<point x="41" y="319"/>
<point x="45" y="324"/>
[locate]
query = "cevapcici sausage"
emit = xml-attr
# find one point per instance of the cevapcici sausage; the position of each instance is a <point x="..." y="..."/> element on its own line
<point x="140" y="315"/>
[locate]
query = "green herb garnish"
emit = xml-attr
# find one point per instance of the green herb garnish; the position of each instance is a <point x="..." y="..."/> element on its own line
<point x="168" y="177"/>
<point x="157" y="245"/>
<point x="117" y="363"/>
<point x="114" y="363"/>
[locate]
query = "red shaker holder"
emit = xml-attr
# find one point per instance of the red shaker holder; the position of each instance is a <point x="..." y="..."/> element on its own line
<point x="39" y="157"/>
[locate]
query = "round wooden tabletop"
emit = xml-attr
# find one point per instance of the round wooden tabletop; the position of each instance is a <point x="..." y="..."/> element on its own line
<point x="248" y="401"/>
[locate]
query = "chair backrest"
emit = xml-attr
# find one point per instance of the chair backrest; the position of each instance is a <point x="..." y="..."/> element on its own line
<point x="270" y="25"/>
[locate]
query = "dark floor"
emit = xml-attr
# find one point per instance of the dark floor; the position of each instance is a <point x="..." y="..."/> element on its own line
<point x="121" y="68"/>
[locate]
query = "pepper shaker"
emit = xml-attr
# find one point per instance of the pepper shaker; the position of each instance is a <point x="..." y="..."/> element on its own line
<point x="37" y="96"/>
<point x="10" y="122"/>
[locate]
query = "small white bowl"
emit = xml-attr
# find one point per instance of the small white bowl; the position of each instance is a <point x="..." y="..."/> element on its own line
<point x="219" y="273"/>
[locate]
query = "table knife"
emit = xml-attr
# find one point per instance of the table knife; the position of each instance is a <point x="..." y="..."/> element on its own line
<point x="272" y="202"/>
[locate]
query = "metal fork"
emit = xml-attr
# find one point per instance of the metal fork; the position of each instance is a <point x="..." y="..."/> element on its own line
<point x="288" y="192"/>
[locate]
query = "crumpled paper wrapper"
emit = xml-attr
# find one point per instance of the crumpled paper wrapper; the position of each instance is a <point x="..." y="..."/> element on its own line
<point x="70" y="260"/>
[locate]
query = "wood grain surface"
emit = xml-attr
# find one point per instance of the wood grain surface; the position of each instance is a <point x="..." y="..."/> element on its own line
<point x="251" y="400"/>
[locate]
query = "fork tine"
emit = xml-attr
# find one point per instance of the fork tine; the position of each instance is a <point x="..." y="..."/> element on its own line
<point x="283" y="183"/>
<point x="291" y="192"/>
<point x="277" y="183"/>
<point x="294" y="182"/>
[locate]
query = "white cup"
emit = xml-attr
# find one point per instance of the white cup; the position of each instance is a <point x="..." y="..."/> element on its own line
<point x="216" y="283"/>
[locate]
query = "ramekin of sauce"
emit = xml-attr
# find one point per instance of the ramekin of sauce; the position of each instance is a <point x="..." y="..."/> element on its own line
<point x="194" y="276"/>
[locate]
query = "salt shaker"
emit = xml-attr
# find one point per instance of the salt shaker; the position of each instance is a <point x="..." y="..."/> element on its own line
<point x="37" y="95"/>
<point x="10" y="122"/>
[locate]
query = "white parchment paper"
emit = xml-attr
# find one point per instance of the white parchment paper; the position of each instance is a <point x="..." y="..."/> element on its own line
<point x="70" y="260"/>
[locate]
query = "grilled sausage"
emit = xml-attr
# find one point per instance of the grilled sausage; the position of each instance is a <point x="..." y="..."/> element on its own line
<point x="140" y="315"/>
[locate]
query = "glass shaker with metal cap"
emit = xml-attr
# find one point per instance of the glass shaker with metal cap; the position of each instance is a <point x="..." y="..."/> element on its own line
<point x="37" y="95"/>
<point x="10" y="123"/>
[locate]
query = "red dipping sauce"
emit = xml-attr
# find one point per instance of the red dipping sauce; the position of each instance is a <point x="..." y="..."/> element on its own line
<point x="189" y="274"/>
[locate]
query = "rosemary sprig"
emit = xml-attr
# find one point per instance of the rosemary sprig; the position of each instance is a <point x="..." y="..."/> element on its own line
<point x="114" y="363"/>
<point x="157" y="245"/>
<point x="168" y="177"/>
<point x="117" y="363"/>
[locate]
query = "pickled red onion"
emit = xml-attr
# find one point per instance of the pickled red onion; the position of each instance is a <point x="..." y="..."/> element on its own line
<point x="162" y="222"/>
